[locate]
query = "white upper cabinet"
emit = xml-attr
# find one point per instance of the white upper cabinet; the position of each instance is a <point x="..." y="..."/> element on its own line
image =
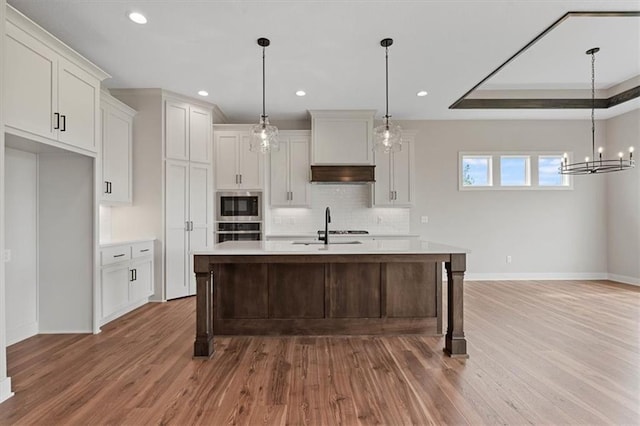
<point x="52" y="94"/>
<point x="188" y="132"/>
<point x="342" y="137"/>
<point x="289" y="177"/>
<point x="394" y="176"/>
<point x="117" y="138"/>
<point x="236" y="167"/>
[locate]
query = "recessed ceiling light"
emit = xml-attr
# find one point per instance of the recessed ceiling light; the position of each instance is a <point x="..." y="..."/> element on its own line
<point x="138" y="18"/>
<point x="301" y="93"/>
<point x="422" y="93"/>
<point x="203" y="93"/>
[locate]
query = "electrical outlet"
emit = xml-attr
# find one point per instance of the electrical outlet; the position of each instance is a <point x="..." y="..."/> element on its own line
<point x="508" y="259"/>
<point x="424" y="219"/>
<point x="7" y="255"/>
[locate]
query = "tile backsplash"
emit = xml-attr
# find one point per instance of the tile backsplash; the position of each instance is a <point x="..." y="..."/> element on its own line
<point x="350" y="209"/>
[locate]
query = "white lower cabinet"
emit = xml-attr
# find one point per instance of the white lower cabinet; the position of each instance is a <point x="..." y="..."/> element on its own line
<point x="126" y="279"/>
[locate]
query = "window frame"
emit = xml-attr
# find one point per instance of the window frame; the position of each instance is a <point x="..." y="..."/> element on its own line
<point x="490" y="171"/>
<point x="496" y="167"/>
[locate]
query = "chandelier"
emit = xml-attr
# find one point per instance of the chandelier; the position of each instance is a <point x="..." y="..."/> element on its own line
<point x="592" y="165"/>
<point x="264" y="136"/>
<point x="387" y="137"/>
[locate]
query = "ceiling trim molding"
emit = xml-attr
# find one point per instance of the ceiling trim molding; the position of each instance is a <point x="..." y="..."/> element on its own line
<point x="464" y="103"/>
<point x="548" y="103"/>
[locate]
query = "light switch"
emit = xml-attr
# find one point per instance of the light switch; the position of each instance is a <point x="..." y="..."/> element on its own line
<point x="424" y="219"/>
<point x="7" y="255"/>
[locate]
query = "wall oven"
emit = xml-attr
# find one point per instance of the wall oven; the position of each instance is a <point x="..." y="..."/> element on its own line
<point x="238" y="231"/>
<point x="239" y="206"/>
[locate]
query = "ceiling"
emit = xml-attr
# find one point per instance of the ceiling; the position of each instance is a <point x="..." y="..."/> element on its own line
<point x="331" y="49"/>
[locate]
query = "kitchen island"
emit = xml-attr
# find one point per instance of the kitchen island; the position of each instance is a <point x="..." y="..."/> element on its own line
<point x="343" y="288"/>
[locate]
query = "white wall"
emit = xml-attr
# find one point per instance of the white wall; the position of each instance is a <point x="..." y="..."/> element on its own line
<point x="548" y="234"/>
<point x="623" y="201"/>
<point x="21" y="194"/>
<point x="65" y="243"/>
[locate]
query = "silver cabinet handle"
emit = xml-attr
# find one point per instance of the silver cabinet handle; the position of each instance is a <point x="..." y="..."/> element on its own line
<point x="191" y="225"/>
<point x="391" y="195"/>
<point x="241" y="179"/>
<point x="186" y="225"/>
<point x="236" y="179"/>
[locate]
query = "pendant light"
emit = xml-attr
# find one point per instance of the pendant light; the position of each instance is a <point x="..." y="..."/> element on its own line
<point x="388" y="136"/>
<point x="592" y="165"/>
<point x="264" y="136"/>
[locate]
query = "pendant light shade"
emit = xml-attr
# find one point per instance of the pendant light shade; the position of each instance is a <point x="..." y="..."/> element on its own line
<point x="388" y="136"/>
<point x="264" y="136"/>
<point x="596" y="164"/>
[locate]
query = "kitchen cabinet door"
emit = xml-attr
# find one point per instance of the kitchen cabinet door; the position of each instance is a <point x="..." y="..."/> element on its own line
<point x="177" y="130"/>
<point x="402" y="175"/>
<point x="117" y="135"/>
<point x="299" y="172"/>
<point x="115" y="289"/>
<point x="141" y="286"/>
<point x="383" y="189"/>
<point x="78" y="103"/>
<point x="199" y="135"/>
<point x="176" y="225"/>
<point x="249" y="164"/>
<point x="30" y="84"/>
<point x="226" y="160"/>
<point x="280" y="191"/>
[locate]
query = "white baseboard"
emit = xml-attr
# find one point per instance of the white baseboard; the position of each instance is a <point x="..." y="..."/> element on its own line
<point x="525" y="276"/>
<point x="69" y="331"/>
<point x="22" y="332"/>
<point x="624" y="279"/>
<point x="5" y="389"/>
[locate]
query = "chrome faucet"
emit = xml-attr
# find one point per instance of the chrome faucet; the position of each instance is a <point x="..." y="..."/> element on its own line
<point x="327" y="221"/>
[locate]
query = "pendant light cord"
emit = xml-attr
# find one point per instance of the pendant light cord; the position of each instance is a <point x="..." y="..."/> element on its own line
<point x="386" y="58"/>
<point x="264" y="114"/>
<point x="593" y="105"/>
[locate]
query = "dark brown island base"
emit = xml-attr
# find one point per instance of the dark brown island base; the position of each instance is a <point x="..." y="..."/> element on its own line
<point x="368" y="288"/>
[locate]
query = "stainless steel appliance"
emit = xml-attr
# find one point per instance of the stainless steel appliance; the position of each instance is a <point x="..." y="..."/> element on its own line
<point x="239" y="206"/>
<point x="238" y="231"/>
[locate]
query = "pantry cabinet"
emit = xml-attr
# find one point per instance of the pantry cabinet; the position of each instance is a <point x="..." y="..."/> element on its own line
<point x="236" y="167"/>
<point x="126" y="278"/>
<point x="189" y="217"/>
<point x="289" y="171"/>
<point x="52" y="94"/>
<point x="117" y="142"/>
<point x="394" y="176"/>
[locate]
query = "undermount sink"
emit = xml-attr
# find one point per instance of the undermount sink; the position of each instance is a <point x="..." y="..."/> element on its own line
<point x="306" y="243"/>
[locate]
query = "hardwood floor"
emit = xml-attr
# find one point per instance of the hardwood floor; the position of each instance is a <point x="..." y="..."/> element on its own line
<point x="541" y="352"/>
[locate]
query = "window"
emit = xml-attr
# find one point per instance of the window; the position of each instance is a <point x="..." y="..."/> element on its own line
<point x="548" y="175"/>
<point x="515" y="170"/>
<point x="477" y="170"/>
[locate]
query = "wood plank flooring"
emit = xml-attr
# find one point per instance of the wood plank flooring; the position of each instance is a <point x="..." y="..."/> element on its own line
<point x="541" y="352"/>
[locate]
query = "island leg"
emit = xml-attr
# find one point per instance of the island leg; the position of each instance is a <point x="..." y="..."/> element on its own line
<point x="455" y="344"/>
<point x="203" y="346"/>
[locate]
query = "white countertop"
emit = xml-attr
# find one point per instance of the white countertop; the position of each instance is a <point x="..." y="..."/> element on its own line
<point x="124" y="242"/>
<point x="314" y="235"/>
<point x="399" y="246"/>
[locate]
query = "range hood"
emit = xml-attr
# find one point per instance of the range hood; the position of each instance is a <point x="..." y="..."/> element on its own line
<point x="342" y="174"/>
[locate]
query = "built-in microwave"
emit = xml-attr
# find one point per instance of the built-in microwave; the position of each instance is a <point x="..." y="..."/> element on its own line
<point x="239" y="206"/>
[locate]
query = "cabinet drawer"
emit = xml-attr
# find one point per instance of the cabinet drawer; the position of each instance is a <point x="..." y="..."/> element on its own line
<point x="115" y="254"/>
<point x="142" y="249"/>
